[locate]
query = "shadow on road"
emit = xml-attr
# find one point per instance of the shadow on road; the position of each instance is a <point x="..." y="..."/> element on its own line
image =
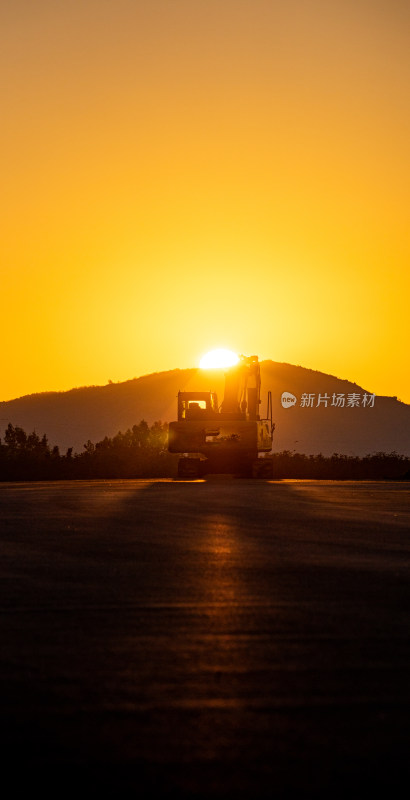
<point x="213" y="638"/>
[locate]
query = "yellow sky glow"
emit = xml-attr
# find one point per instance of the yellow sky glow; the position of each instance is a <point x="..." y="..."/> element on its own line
<point x="179" y="177"/>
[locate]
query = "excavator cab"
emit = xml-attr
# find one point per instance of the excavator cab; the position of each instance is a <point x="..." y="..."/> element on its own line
<point x="197" y="405"/>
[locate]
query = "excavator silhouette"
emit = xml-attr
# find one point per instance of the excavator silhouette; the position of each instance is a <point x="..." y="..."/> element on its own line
<point x="230" y="439"/>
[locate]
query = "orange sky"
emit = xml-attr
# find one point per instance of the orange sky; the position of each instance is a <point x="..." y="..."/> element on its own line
<point x="179" y="175"/>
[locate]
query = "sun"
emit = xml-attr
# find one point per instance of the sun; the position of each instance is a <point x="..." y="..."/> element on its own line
<point x="218" y="358"/>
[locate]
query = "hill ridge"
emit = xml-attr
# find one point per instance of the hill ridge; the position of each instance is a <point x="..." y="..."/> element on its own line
<point x="71" y="417"/>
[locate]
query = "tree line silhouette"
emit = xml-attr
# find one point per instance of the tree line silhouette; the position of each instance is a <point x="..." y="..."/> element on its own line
<point x="141" y="452"/>
<point x="138" y="453"/>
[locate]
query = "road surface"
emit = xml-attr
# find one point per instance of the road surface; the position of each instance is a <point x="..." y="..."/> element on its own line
<point x="221" y="638"/>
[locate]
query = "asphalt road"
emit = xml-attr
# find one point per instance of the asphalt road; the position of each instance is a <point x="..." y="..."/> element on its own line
<point x="228" y="638"/>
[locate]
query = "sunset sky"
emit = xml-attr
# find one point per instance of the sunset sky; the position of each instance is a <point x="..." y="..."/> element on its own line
<point x="181" y="175"/>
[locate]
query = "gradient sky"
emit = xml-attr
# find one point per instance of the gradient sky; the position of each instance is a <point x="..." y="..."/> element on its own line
<point x="180" y="175"/>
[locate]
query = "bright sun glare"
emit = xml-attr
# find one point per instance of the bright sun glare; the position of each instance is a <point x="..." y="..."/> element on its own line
<point x="218" y="358"/>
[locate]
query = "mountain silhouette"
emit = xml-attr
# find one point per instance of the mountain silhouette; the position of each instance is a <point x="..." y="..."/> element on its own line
<point x="73" y="417"/>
